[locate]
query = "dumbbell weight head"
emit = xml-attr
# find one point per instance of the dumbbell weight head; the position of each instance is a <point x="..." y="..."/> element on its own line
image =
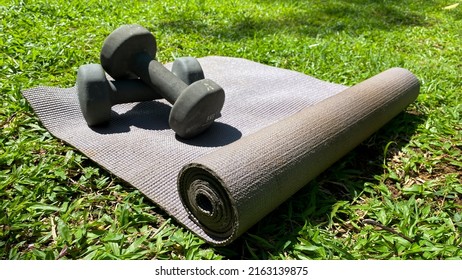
<point x="120" y="47"/>
<point x="135" y="46"/>
<point x="196" y="108"/>
<point x="188" y="69"/>
<point x="97" y="94"/>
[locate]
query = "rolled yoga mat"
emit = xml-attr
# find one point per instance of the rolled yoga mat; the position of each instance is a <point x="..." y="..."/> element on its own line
<point x="279" y="129"/>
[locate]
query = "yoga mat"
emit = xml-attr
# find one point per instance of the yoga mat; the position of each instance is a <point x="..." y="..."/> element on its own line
<point x="279" y="129"/>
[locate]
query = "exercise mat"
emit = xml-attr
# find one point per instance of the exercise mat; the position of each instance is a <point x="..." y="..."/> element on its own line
<point x="278" y="130"/>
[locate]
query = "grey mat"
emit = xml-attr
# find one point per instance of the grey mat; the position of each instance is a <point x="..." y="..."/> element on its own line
<point x="278" y="130"/>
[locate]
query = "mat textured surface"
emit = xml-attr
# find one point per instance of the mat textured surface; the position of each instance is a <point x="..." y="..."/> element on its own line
<point x="279" y="129"/>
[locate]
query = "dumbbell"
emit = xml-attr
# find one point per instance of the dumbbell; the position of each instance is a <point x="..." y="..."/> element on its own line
<point x="129" y="51"/>
<point x="97" y="94"/>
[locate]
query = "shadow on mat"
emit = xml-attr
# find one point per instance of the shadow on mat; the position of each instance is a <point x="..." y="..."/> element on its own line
<point x="151" y="115"/>
<point x="218" y="134"/>
<point x="307" y="213"/>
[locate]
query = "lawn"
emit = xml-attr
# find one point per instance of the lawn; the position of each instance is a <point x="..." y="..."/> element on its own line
<point x="397" y="196"/>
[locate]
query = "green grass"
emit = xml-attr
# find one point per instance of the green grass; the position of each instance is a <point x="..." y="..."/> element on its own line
<point x="56" y="203"/>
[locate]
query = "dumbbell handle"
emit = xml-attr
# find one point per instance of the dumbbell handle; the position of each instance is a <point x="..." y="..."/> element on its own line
<point x="127" y="91"/>
<point x="158" y="77"/>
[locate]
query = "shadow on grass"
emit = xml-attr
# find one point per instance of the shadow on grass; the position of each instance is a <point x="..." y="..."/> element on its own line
<point x="307" y="213"/>
<point x="304" y="18"/>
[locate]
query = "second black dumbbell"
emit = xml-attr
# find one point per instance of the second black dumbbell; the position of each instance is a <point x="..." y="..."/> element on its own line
<point x="97" y="94"/>
<point x="130" y="50"/>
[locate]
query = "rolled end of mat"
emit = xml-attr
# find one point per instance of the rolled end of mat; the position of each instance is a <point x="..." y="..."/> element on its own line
<point x="232" y="188"/>
<point x="207" y="201"/>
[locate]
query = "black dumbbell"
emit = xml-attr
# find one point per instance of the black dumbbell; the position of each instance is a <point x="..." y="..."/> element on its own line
<point x="129" y="51"/>
<point x="97" y="94"/>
